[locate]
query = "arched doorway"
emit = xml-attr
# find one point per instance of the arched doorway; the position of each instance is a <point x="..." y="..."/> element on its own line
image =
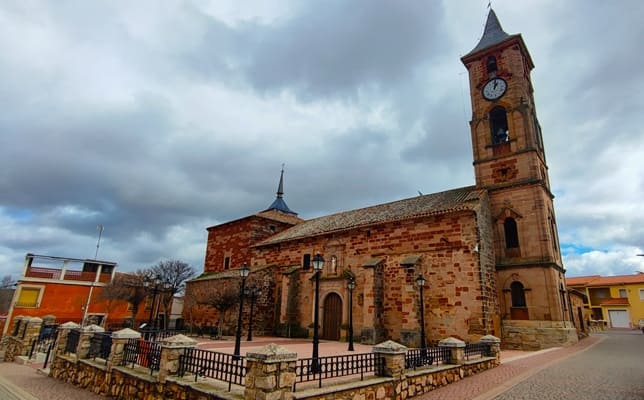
<point x="332" y="317"/>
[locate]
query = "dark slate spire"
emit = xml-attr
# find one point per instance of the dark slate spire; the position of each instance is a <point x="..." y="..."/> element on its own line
<point x="279" y="204"/>
<point x="493" y="34"/>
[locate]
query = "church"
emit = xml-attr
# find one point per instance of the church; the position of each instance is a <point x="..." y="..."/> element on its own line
<point x="488" y="254"/>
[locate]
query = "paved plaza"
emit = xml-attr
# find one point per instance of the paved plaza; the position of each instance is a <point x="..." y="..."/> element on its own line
<point x="603" y="366"/>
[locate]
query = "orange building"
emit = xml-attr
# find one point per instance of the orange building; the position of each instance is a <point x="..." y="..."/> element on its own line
<point x="69" y="289"/>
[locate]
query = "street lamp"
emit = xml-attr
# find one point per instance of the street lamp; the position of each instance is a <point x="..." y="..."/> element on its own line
<point x="351" y="285"/>
<point x="153" y="284"/>
<point x="318" y="264"/>
<point x="252" y="293"/>
<point x="243" y="272"/>
<point x="420" y="281"/>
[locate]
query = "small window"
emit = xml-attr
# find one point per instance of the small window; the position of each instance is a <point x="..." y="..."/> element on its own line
<point x="511" y="233"/>
<point x="622" y="293"/>
<point x="226" y="262"/>
<point x="306" y="261"/>
<point x="28" y="297"/>
<point x="518" y="294"/>
<point x="491" y="65"/>
<point x="499" y="125"/>
<point x="642" y="294"/>
<point x="271" y="228"/>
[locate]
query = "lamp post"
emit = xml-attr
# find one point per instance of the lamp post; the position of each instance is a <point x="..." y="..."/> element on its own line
<point x="252" y="293"/>
<point x="351" y="285"/>
<point x="420" y="281"/>
<point x="243" y="272"/>
<point x="153" y="284"/>
<point x="318" y="264"/>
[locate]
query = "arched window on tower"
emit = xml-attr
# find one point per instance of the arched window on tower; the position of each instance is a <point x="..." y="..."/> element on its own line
<point x="518" y="294"/>
<point x="511" y="233"/>
<point x="499" y="125"/>
<point x="491" y="65"/>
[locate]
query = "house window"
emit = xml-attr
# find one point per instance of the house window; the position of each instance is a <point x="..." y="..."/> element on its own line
<point x="29" y="297"/>
<point x="491" y="65"/>
<point x="226" y="262"/>
<point x="642" y="294"/>
<point x="306" y="261"/>
<point x="622" y="293"/>
<point x="511" y="233"/>
<point x="518" y="294"/>
<point x="499" y="125"/>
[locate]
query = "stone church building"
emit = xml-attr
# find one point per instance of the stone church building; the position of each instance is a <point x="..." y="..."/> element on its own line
<point x="489" y="253"/>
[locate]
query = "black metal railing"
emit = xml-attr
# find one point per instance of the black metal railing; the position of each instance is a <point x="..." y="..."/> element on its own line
<point x="45" y="340"/>
<point x="221" y="366"/>
<point x="157" y="336"/>
<point x="416" y="358"/>
<point x="73" y="336"/>
<point x="100" y="345"/>
<point x="143" y="353"/>
<point x="477" y="350"/>
<point x="307" y="369"/>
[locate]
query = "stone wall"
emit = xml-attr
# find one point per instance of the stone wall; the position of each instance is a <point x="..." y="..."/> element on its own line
<point x="536" y="335"/>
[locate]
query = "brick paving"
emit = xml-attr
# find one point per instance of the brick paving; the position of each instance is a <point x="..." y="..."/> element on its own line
<point x="516" y="366"/>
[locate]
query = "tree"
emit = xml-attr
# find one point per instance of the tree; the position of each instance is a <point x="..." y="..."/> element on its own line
<point x="173" y="275"/>
<point x="6" y="293"/>
<point x="129" y="287"/>
<point x="222" y="299"/>
<point x="7" y="282"/>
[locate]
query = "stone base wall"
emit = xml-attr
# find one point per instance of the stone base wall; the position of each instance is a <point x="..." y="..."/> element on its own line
<point x="126" y="383"/>
<point x="537" y="335"/>
<point x="414" y="383"/>
<point x="12" y="348"/>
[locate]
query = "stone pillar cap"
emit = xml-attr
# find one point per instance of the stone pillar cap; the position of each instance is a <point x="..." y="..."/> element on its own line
<point x="451" y="342"/>
<point x="69" y="325"/>
<point x="35" y="319"/>
<point x="272" y="353"/>
<point x="93" y="328"/>
<point x="389" y="347"/>
<point x="490" y="339"/>
<point x="126" y="333"/>
<point x="178" y="341"/>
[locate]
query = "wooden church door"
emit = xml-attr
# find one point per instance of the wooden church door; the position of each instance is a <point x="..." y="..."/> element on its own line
<point x="332" y="317"/>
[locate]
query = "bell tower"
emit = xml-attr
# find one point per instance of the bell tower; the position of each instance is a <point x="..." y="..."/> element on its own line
<point x="510" y="163"/>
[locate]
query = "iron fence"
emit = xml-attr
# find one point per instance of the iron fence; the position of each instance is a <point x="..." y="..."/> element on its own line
<point x="100" y="345"/>
<point x="157" y="336"/>
<point x="310" y="369"/>
<point x="73" y="336"/>
<point x="45" y="340"/>
<point x="143" y="353"/>
<point x="415" y="358"/>
<point x="221" y="366"/>
<point x="477" y="350"/>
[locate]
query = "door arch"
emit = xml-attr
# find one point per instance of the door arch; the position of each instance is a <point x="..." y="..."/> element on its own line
<point x="332" y="317"/>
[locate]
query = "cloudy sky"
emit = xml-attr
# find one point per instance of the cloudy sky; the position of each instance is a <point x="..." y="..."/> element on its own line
<point x="157" y="119"/>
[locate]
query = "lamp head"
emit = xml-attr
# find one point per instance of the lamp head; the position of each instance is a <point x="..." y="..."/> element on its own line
<point x="351" y="284"/>
<point x="318" y="262"/>
<point x="244" y="271"/>
<point x="420" y="280"/>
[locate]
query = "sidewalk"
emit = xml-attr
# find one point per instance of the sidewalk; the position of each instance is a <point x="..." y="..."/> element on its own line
<point x="21" y="382"/>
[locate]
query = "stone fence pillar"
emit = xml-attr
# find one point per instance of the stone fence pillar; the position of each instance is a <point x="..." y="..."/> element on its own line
<point x="63" y="331"/>
<point x="457" y="349"/>
<point x="85" y="340"/>
<point x="394" y="355"/>
<point x="119" y="340"/>
<point x="495" y="346"/>
<point x="270" y="373"/>
<point x="171" y="349"/>
<point x="31" y="333"/>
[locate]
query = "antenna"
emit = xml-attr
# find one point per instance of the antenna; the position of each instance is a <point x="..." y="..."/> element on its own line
<point x="100" y="232"/>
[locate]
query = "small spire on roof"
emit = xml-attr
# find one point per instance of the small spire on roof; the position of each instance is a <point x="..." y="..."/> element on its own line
<point x="279" y="204"/>
<point x="492" y="34"/>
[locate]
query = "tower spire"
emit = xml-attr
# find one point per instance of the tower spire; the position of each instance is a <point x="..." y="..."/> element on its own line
<point x="492" y="34"/>
<point x="279" y="204"/>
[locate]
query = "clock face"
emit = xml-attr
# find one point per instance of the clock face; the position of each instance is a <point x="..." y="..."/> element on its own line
<point x="494" y="89"/>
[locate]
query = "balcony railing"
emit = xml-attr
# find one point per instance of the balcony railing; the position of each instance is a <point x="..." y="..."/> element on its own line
<point x="71" y="275"/>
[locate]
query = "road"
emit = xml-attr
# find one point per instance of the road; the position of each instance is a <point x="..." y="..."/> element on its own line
<point x="612" y="369"/>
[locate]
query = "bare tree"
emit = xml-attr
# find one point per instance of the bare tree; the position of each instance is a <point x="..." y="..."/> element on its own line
<point x="7" y="282"/>
<point x="173" y="275"/>
<point x="222" y="299"/>
<point x="129" y="287"/>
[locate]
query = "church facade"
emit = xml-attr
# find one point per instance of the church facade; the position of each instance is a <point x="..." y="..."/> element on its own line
<point x="488" y="253"/>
